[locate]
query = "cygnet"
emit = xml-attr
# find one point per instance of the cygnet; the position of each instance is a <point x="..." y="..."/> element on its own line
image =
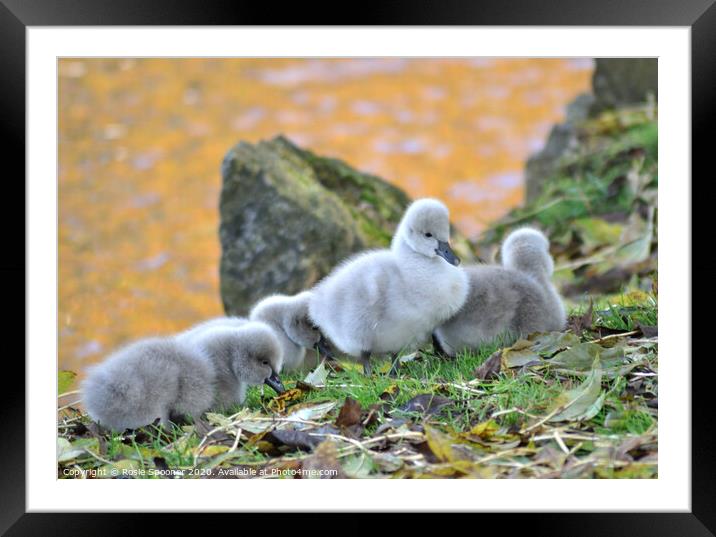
<point x="385" y="301"/>
<point x="511" y="300"/>
<point x="165" y="377"/>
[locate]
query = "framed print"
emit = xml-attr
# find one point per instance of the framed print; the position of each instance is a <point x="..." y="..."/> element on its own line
<point x="417" y="249"/>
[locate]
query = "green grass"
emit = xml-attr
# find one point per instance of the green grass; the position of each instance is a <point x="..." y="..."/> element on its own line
<point x="512" y="399"/>
<point x="623" y="311"/>
<point x="592" y="181"/>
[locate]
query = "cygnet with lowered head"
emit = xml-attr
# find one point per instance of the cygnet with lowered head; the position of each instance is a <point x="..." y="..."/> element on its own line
<point x="243" y="356"/>
<point x="511" y="300"/>
<point x="385" y="301"/>
<point x="288" y="316"/>
<point x="166" y="377"/>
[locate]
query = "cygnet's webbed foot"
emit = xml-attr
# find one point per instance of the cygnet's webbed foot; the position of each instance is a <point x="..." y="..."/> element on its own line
<point x="438" y="348"/>
<point x="365" y="360"/>
<point x="163" y="428"/>
<point x="168" y="422"/>
<point x="324" y="351"/>
<point x="394" y="365"/>
<point x="177" y="418"/>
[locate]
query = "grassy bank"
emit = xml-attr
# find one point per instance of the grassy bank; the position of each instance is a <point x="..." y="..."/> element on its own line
<point x="581" y="403"/>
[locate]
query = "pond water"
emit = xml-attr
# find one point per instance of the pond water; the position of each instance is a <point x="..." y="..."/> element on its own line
<point x="141" y="142"/>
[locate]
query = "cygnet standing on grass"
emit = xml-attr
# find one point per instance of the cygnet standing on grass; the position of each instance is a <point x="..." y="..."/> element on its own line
<point x="165" y="377"/>
<point x="514" y="299"/>
<point x="288" y="316"/>
<point x="384" y="301"/>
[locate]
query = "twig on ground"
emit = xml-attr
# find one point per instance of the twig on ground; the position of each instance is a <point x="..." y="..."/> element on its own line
<point x="612" y="336"/>
<point x="69" y="405"/>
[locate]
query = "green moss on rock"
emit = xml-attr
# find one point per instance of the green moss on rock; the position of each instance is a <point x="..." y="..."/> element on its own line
<point x="598" y="204"/>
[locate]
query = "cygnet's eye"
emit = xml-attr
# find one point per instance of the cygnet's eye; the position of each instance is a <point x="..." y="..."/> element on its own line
<point x="265" y="362"/>
<point x="428" y="235"/>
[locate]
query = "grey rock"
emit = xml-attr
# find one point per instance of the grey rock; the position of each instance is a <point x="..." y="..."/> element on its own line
<point x="562" y="138"/>
<point x="618" y="82"/>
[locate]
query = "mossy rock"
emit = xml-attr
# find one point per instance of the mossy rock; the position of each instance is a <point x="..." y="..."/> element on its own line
<point x="598" y="204"/>
<point x="289" y="216"/>
<point x="618" y="85"/>
<point x="620" y="82"/>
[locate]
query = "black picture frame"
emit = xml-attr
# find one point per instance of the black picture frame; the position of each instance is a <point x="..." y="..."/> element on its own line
<point x="17" y="15"/>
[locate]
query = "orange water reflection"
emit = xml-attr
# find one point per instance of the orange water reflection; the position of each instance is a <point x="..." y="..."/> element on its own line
<point x="141" y="141"/>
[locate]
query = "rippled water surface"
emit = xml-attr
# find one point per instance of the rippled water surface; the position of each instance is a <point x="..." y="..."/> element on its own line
<point x="141" y="142"/>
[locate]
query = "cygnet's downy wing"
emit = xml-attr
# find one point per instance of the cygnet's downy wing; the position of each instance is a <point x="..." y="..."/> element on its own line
<point x="196" y="384"/>
<point x="501" y="303"/>
<point x="147" y="380"/>
<point x="489" y="311"/>
<point x="113" y="391"/>
<point x="349" y="304"/>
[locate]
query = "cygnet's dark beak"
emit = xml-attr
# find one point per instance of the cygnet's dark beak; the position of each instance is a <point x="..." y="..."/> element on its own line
<point x="275" y="382"/>
<point x="444" y="251"/>
<point x="322" y="348"/>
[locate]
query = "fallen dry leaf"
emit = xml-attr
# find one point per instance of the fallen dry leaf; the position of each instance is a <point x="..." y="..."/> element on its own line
<point x="491" y="367"/>
<point x="311" y="411"/>
<point x="426" y="404"/>
<point x="294" y="439"/>
<point x="440" y="445"/>
<point x="582" y="402"/>
<point x="580" y="359"/>
<point x="279" y="403"/>
<point x="323" y="463"/>
<point x="349" y="414"/>
<point x="317" y="378"/>
<point x="390" y="393"/>
<point x="578" y="323"/>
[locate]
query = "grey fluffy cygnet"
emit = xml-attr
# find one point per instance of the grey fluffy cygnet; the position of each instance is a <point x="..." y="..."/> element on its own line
<point x="163" y="377"/>
<point x="384" y="301"/>
<point x="514" y="299"/>
<point x="288" y="316"/>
